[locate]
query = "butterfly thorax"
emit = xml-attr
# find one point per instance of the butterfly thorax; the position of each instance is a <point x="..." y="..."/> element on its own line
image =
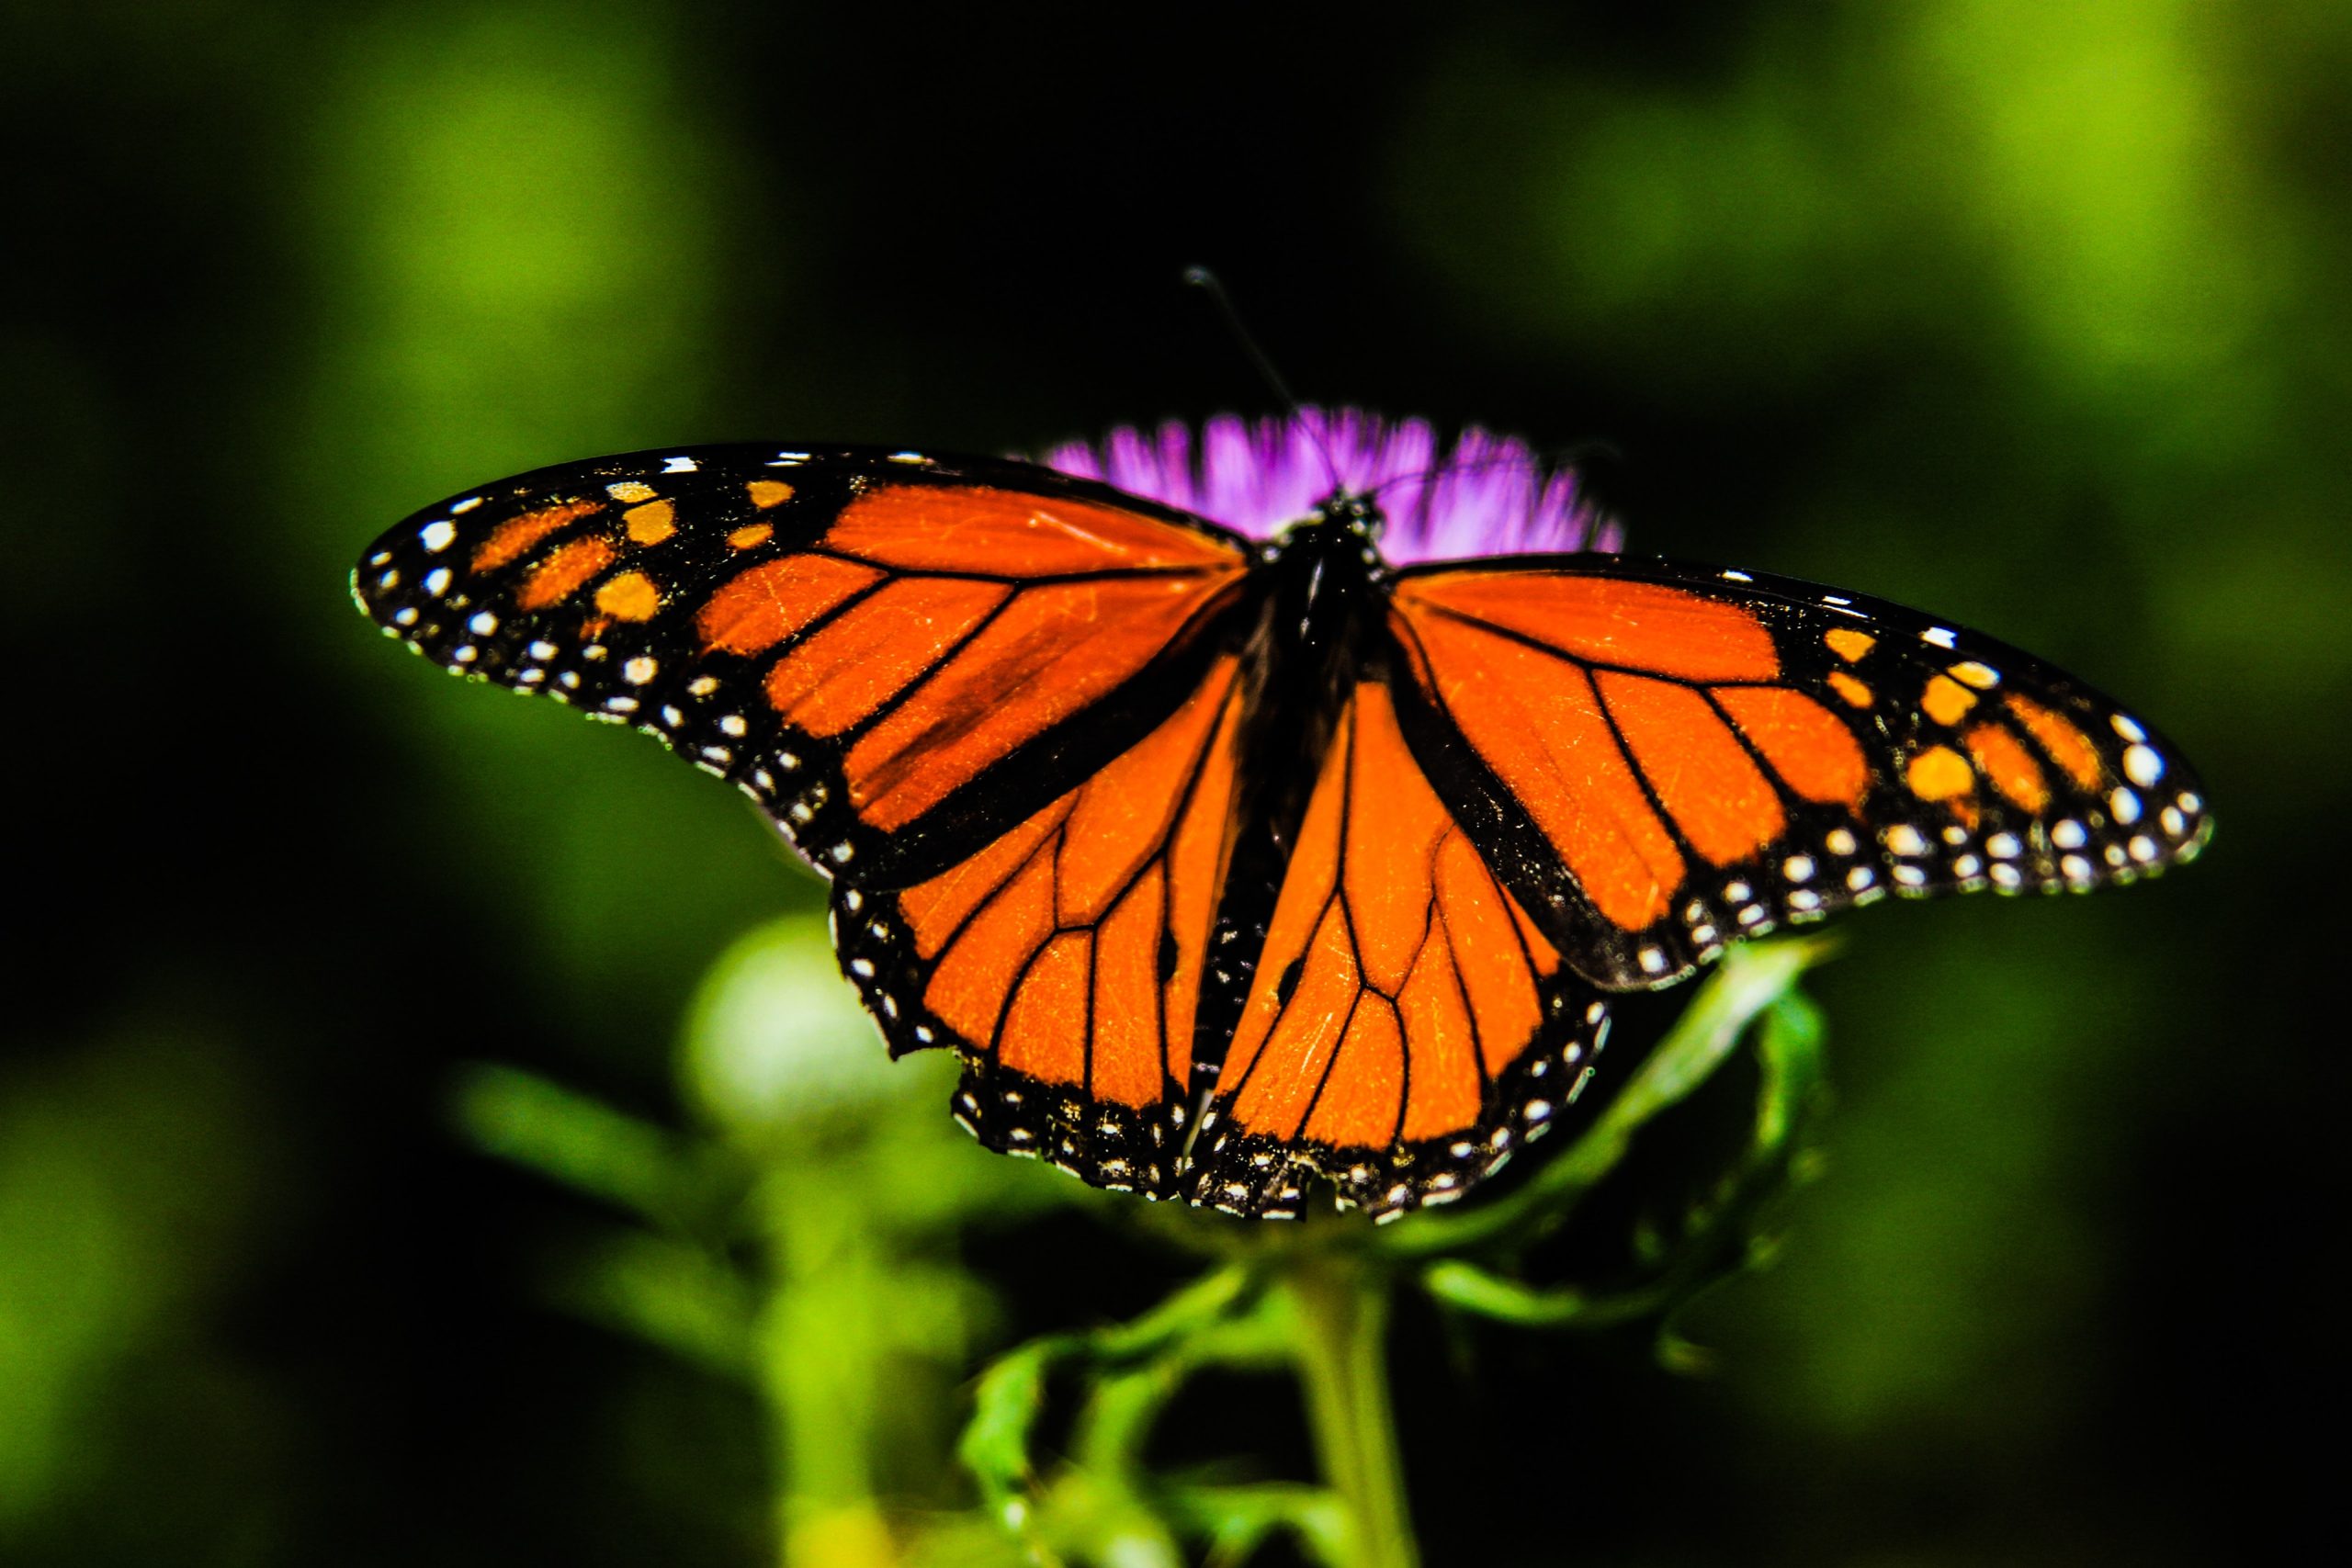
<point x="1321" y="605"/>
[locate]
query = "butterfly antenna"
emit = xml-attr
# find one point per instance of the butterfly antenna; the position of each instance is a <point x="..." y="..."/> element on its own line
<point x="1207" y="282"/>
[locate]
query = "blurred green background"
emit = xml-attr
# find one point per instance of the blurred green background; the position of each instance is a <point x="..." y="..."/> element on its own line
<point x="2022" y="313"/>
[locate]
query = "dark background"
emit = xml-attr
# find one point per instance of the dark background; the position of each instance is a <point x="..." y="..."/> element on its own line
<point x="2032" y="316"/>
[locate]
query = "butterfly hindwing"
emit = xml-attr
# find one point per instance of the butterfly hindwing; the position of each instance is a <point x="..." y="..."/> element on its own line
<point x="1407" y="1027"/>
<point x="1664" y="759"/>
<point x="897" y="655"/>
<point x="1064" y="961"/>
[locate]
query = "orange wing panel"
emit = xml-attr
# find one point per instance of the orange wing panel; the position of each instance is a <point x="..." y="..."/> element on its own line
<point x="1807" y="744"/>
<point x="560" y="574"/>
<point x="1127" y="1006"/>
<point x="1298" y="1034"/>
<point x="2010" y="765"/>
<point x="1117" y="827"/>
<point x="976" y="974"/>
<point x="1447" y="1082"/>
<point x="934" y="909"/>
<point x="1051" y="652"/>
<point x="974" y="529"/>
<point x="513" y="540"/>
<point x="1537" y="722"/>
<point x="1358" y="1104"/>
<point x="1704" y="778"/>
<point x="1044" y="1032"/>
<point x="1498" y="978"/>
<point x="2067" y="746"/>
<point x="873" y="652"/>
<point x="754" y="609"/>
<point x="1641" y="626"/>
<point x="1391" y="911"/>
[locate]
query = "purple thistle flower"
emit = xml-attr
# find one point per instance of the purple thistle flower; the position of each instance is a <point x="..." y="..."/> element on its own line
<point x="1488" y="495"/>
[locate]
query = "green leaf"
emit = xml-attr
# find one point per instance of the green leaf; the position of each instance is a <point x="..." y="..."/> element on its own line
<point x="1005" y="1405"/>
<point x="672" y="1295"/>
<point x="1236" y="1520"/>
<point x="1490" y="1295"/>
<point x="582" y="1143"/>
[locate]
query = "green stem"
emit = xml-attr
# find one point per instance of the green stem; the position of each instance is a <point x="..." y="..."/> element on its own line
<point x="1342" y="1344"/>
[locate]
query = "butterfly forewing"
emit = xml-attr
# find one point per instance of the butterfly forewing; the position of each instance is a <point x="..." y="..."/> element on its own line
<point x="1664" y="759"/>
<point x="899" y="657"/>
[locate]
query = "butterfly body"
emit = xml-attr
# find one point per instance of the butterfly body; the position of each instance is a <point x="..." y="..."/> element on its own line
<point x="1229" y="866"/>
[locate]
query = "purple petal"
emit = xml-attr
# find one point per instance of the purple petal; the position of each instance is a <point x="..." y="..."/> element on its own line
<point x="1488" y="495"/>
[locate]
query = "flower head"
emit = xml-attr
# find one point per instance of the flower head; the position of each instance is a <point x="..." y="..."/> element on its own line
<point x="1487" y="495"/>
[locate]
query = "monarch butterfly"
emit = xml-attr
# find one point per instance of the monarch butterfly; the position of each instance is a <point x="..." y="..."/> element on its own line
<point x="1225" y="864"/>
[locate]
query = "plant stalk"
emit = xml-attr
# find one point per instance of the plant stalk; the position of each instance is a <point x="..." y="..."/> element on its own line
<point x="1342" y="1300"/>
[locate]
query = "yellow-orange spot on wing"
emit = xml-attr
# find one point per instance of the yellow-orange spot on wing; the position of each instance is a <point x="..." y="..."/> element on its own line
<point x="565" y="568"/>
<point x="967" y="989"/>
<point x="1128" y="1060"/>
<point x="1704" y="778"/>
<point x="2010" y="765"/>
<point x="1052" y="652"/>
<point x="1044" y="1030"/>
<point x="751" y="534"/>
<point x="765" y="494"/>
<point x="1536" y="721"/>
<point x="1358" y="1099"/>
<point x="1946" y="700"/>
<point x="1855" y="694"/>
<point x="1806" y="744"/>
<point x="873" y="651"/>
<point x="514" y="538"/>
<point x="1643" y="625"/>
<point x="652" y="523"/>
<point x="630" y="596"/>
<point x="1848" y="644"/>
<point x="2067" y="746"/>
<point x="977" y="528"/>
<point x="628" y="490"/>
<point x="1493" y="971"/>
<point x="1969" y="672"/>
<point x="756" y="609"/>
<point x="1938" y="773"/>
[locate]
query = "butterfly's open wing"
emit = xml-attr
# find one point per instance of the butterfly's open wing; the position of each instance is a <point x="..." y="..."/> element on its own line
<point x="899" y="657"/>
<point x="1662" y="759"/>
<point x="1408" y="1026"/>
<point x="997" y="704"/>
